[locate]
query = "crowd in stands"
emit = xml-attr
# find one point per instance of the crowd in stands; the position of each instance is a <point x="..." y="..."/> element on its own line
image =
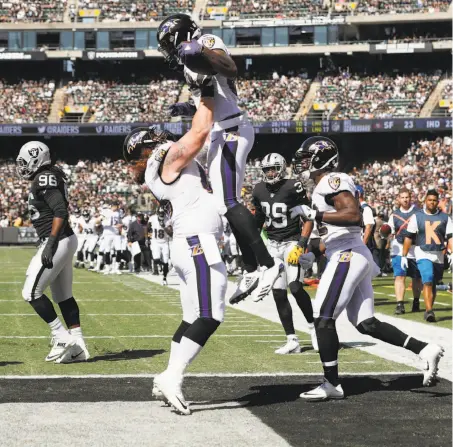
<point x="32" y="11"/>
<point x="352" y="96"/>
<point x="277" y="98"/>
<point x="136" y="11"/>
<point x="111" y="101"/>
<point x="26" y="101"/>
<point x="296" y="8"/>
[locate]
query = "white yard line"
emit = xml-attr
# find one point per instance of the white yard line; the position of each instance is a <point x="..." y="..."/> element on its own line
<point x="348" y="334"/>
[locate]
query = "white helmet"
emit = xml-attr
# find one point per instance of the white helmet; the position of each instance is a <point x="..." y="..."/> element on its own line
<point x="277" y="163"/>
<point x="32" y="156"/>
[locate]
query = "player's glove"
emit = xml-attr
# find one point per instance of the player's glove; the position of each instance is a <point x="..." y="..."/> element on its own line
<point x="294" y="254"/>
<point x="187" y="50"/>
<point x="304" y="211"/>
<point x="306" y="260"/>
<point x="49" y="252"/>
<point x="404" y="263"/>
<point x="182" y="109"/>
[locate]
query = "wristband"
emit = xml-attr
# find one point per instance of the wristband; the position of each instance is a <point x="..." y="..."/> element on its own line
<point x="319" y="215"/>
<point x="303" y="242"/>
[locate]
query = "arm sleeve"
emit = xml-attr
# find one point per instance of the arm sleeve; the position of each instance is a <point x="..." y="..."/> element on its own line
<point x="412" y="226"/>
<point x="54" y="198"/>
<point x="260" y="217"/>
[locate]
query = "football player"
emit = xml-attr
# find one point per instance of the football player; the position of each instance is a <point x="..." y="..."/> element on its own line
<point x="398" y="222"/>
<point x="77" y="225"/>
<point x="159" y="242"/>
<point x="111" y="242"/>
<point x="431" y="229"/>
<point x="91" y="238"/>
<point x="52" y="264"/>
<point x="347" y="280"/>
<point x="232" y="136"/>
<point x="169" y="170"/>
<point x="273" y="198"/>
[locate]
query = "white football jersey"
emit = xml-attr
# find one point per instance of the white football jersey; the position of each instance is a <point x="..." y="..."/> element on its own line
<point x="126" y="221"/>
<point x="193" y="209"/>
<point x="335" y="237"/>
<point x="89" y="227"/>
<point x="109" y="220"/>
<point x="75" y="223"/>
<point x="159" y="233"/>
<point x="225" y="94"/>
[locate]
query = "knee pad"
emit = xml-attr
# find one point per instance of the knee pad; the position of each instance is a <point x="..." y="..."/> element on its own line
<point x="368" y="326"/>
<point x="295" y="287"/>
<point x="201" y="329"/>
<point x="324" y="323"/>
<point x="180" y="331"/>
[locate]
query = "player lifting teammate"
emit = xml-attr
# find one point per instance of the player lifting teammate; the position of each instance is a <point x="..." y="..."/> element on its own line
<point x="52" y="264"/>
<point x="273" y="198"/>
<point x="232" y="136"/>
<point x="347" y="280"/>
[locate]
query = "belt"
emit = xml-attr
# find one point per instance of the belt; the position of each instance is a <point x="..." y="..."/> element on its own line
<point x="230" y="121"/>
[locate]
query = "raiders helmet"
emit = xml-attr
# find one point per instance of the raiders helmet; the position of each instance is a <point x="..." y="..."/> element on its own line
<point x="144" y="138"/>
<point x="274" y="168"/>
<point x="174" y="30"/>
<point x="315" y="154"/>
<point x="32" y="156"/>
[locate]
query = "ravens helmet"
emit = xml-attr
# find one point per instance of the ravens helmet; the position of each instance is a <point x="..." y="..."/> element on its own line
<point x="144" y="138"/>
<point x="273" y="167"/>
<point x="174" y="30"/>
<point x="315" y="154"/>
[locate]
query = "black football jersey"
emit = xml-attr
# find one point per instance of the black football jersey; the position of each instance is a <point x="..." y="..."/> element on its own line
<point x="41" y="214"/>
<point x="272" y="207"/>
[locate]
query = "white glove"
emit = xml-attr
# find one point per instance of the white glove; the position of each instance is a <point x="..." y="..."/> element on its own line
<point x="304" y="211"/>
<point x="306" y="260"/>
<point x="404" y="263"/>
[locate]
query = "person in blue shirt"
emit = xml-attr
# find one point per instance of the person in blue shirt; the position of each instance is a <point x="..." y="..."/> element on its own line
<point x="431" y="229"/>
<point x="398" y="222"/>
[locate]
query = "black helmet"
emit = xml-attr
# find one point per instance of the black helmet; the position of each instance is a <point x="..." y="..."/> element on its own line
<point x="315" y="154"/>
<point x="77" y="212"/>
<point x="144" y="138"/>
<point x="86" y="214"/>
<point x="174" y="30"/>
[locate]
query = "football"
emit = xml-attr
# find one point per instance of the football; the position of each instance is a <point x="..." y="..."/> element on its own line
<point x="385" y="230"/>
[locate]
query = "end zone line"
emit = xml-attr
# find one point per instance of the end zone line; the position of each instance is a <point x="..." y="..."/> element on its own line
<point x="209" y="375"/>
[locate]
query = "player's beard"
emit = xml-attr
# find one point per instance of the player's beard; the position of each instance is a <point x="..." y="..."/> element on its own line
<point x="139" y="166"/>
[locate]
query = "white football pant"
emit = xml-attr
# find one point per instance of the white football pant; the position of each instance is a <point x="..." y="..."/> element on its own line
<point x="160" y="251"/>
<point x="281" y="250"/>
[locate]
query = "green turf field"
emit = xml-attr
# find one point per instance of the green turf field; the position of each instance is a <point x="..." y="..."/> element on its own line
<point x="129" y="322"/>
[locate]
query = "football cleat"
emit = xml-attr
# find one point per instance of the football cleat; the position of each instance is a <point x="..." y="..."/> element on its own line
<point x="268" y="276"/>
<point x="430" y="317"/>
<point x="78" y="353"/>
<point x="246" y="284"/>
<point x="314" y="338"/>
<point x="60" y="346"/>
<point x="416" y="305"/>
<point x="292" y="346"/>
<point x="169" y="388"/>
<point x="325" y="391"/>
<point x="431" y="355"/>
<point x="400" y="310"/>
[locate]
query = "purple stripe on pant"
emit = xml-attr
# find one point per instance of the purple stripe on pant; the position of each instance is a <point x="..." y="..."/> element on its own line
<point x="228" y="167"/>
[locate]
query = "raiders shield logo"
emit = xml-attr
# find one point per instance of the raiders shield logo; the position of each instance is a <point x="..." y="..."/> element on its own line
<point x="334" y="182"/>
<point x="91" y="55"/>
<point x="208" y="41"/>
<point x="33" y="152"/>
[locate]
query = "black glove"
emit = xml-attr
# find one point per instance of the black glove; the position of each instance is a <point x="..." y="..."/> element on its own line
<point x="49" y="252"/>
<point x="182" y="109"/>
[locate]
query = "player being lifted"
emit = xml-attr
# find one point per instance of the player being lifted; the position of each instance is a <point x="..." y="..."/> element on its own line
<point x="169" y="170"/>
<point x="347" y="280"/>
<point x="273" y="198"/>
<point x="52" y="264"/>
<point x="232" y="136"/>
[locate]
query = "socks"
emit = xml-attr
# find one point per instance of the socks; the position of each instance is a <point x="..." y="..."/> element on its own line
<point x="183" y="356"/>
<point x="414" y="345"/>
<point x="44" y="308"/>
<point x="329" y="344"/>
<point x="303" y="300"/>
<point x="284" y="310"/>
<point x="57" y="328"/>
<point x="76" y="332"/>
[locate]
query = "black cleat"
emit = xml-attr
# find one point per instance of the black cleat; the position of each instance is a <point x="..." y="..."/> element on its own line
<point x="416" y="306"/>
<point x="430" y="317"/>
<point x="400" y="310"/>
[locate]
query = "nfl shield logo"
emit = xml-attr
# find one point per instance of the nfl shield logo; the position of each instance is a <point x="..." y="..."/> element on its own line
<point x="91" y="55"/>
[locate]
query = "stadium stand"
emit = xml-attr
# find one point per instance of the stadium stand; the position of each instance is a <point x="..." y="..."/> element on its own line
<point x="348" y="95"/>
<point x="130" y="11"/>
<point x="32" y="11"/>
<point x="110" y="101"/>
<point x="26" y="101"/>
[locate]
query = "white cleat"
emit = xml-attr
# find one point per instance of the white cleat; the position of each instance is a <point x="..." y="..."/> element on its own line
<point x="107" y="271"/>
<point x="324" y="391"/>
<point x="314" y="339"/>
<point x="431" y="355"/>
<point x="164" y="282"/>
<point x="268" y="276"/>
<point x="59" y="347"/>
<point x="292" y="346"/>
<point x="246" y="284"/>
<point x="167" y="388"/>
<point x="78" y="353"/>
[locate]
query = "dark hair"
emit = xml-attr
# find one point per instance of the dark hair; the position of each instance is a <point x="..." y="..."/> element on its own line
<point x="404" y="191"/>
<point x="432" y="192"/>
